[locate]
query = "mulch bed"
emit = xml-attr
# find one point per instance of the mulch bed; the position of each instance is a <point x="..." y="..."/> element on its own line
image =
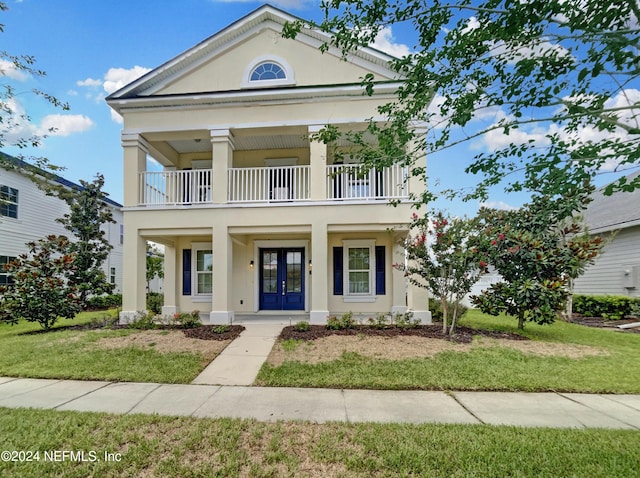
<point x="462" y="334"/>
<point x="604" y="323"/>
<point x="205" y="332"/>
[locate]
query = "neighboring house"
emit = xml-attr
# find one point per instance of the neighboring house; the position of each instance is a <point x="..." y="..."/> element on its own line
<point x="616" y="270"/>
<point x="254" y="217"/>
<point x="28" y="214"/>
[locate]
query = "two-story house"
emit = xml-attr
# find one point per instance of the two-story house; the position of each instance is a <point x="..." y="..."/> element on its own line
<point x="256" y="217"/>
<point x="28" y="214"/>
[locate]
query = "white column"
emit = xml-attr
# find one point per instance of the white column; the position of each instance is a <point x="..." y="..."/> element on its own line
<point x="222" y="159"/>
<point x="169" y="281"/>
<point x="318" y="160"/>
<point x="398" y="281"/>
<point x="320" y="280"/>
<point x="134" y="278"/>
<point x="135" y="162"/>
<point x="418" y="297"/>
<point x="222" y="300"/>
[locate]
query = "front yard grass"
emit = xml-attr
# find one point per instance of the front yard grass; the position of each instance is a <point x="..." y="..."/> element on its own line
<point x="490" y="367"/>
<point x="66" y="353"/>
<point x="178" y="447"/>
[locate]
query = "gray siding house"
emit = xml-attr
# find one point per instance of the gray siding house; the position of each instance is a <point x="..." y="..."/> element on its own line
<point x="616" y="219"/>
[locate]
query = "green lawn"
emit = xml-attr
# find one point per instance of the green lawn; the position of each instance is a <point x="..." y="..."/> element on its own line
<point x="179" y="447"/>
<point x="72" y="354"/>
<point x="492" y="368"/>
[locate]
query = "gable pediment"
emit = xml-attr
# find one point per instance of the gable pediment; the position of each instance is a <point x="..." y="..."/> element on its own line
<point x="224" y="62"/>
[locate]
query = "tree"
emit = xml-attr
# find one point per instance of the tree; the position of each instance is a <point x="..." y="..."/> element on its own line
<point x="439" y="258"/>
<point x="41" y="290"/>
<point x="88" y="212"/>
<point x="12" y="116"/>
<point x="155" y="264"/>
<point x="537" y="253"/>
<point x="567" y="67"/>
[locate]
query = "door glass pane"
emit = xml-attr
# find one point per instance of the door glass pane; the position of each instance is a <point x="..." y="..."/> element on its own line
<point x="294" y="271"/>
<point x="270" y="272"/>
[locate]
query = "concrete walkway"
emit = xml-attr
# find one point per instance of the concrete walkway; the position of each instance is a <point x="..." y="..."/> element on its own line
<point x="240" y="362"/>
<point x="558" y="410"/>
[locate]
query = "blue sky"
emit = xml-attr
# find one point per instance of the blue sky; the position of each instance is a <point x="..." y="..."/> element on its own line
<point x="89" y="49"/>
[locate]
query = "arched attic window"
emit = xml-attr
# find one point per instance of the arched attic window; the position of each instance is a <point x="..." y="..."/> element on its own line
<point x="268" y="71"/>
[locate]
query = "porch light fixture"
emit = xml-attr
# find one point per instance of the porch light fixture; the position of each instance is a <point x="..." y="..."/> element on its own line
<point x="251" y="264"/>
<point x="310" y="266"/>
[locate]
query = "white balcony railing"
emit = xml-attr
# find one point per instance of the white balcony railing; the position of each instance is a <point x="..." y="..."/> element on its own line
<point x="350" y="182"/>
<point x="175" y="187"/>
<point x="272" y="185"/>
<point x="275" y="184"/>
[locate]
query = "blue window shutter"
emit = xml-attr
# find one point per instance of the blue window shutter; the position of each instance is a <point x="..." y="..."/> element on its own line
<point x="380" y="268"/>
<point x="186" y="272"/>
<point x="337" y="271"/>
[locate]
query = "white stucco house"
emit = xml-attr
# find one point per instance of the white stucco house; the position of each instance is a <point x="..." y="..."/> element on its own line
<point x="28" y="214"/>
<point x="254" y="217"/>
<point x="616" y="271"/>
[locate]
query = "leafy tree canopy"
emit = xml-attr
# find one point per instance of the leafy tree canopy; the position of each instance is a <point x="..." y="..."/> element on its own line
<point x="566" y="69"/>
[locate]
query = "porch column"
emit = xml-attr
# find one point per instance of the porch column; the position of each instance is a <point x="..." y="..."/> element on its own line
<point x="134" y="278"/>
<point x="135" y="162"/>
<point x="222" y="300"/>
<point x="318" y="160"/>
<point x="398" y="281"/>
<point x="222" y="159"/>
<point x="320" y="277"/>
<point x="169" y="281"/>
<point x="417" y="147"/>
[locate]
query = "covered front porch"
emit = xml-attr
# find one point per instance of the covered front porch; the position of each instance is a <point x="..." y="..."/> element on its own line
<point x="305" y="272"/>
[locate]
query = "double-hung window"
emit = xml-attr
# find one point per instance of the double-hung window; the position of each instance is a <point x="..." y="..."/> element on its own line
<point x="8" y="202"/>
<point x="359" y="270"/>
<point x="203" y="270"/>
<point x="5" y="277"/>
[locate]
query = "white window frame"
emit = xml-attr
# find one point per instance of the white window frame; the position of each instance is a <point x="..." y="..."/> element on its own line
<point x="352" y="244"/>
<point x="8" y="202"/>
<point x="4" y="273"/>
<point x="195" y="247"/>
<point x="288" y="71"/>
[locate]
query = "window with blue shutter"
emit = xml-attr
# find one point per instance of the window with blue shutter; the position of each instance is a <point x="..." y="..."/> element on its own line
<point x="337" y="271"/>
<point x="186" y="272"/>
<point x="380" y="268"/>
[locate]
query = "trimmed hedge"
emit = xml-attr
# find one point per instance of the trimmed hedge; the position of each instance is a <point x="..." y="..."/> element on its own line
<point x="155" y="301"/>
<point x="104" y="301"/>
<point x="606" y="306"/>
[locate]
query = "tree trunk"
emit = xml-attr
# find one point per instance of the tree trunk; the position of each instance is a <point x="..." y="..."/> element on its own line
<point x="443" y="304"/>
<point x="521" y="321"/>
<point x="453" y="318"/>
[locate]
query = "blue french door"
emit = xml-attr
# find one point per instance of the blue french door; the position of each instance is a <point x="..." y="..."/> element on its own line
<point x="282" y="279"/>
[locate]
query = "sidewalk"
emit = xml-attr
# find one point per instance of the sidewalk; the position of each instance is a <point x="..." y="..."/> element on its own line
<point x="557" y="410"/>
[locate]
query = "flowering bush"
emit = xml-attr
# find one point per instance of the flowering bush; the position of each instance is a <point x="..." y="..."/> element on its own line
<point x="537" y="251"/>
<point x="440" y="259"/>
<point x="41" y="291"/>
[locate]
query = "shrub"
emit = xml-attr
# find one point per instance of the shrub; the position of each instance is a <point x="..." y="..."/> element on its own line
<point x="606" y="306"/>
<point x="436" y="310"/>
<point x="144" y="321"/>
<point x="406" y="320"/>
<point x="187" y="321"/>
<point x="155" y="301"/>
<point x="345" y="322"/>
<point x="381" y="321"/>
<point x="220" y="329"/>
<point x="104" y="301"/>
<point x="302" y="326"/>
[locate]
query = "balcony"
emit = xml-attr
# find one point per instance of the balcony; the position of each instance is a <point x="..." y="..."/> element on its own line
<point x="286" y="184"/>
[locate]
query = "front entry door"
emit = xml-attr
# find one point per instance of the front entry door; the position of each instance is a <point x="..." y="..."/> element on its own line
<point x="282" y="279"/>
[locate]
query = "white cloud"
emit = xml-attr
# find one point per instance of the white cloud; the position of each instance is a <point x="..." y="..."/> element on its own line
<point x="65" y="125"/>
<point x="385" y="42"/>
<point x="116" y="78"/>
<point x="503" y="206"/>
<point x="9" y="70"/>
<point x="89" y="82"/>
<point x="20" y="128"/>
